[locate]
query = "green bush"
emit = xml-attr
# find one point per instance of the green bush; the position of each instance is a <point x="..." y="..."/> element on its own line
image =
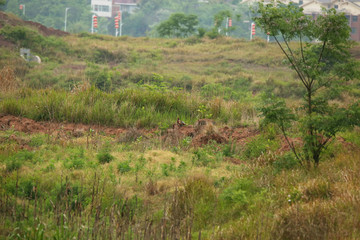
<point x="76" y="160"/>
<point x="237" y="197"/>
<point x="101" y="55"/>
<point x="285" y="162"/>
<point x="29" y="38"/>
<point x="124" y="167"/>
<point x="259" y="145"/>
<point x="213" y="33"/>
<point x="13" y="164"/>
<point x="16" y="161"/>
<point x="201" y="158"/>
<point x="201" y="32"/>
<point x="36" y="141"/>
<point x="104" y="157"/>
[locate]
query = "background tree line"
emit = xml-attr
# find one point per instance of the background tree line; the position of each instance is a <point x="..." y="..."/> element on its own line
<point x="143" y="22"/>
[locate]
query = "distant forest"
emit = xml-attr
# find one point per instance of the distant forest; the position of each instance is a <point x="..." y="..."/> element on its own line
<point x="142" y="22"/>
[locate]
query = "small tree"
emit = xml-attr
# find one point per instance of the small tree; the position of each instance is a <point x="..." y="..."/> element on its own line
<point x="219" y="19"/>
<point x="323" y="65"/>
<point x="178" y="25"/>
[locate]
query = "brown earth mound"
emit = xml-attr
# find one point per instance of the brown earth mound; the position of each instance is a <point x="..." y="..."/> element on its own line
<point x="6" y="19"/>
<point x="205" y="131"/>
<point x="77" y="130"/>
<point x="202" y="133"/>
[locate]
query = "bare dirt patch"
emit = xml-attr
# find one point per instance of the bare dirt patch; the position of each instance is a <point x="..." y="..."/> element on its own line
<point x="202" y="133"/>
<point x="12" y="20"/>
<point x="76" y="130"/>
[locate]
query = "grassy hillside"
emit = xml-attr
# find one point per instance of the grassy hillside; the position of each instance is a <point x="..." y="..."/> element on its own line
<point x="109" y="163"/>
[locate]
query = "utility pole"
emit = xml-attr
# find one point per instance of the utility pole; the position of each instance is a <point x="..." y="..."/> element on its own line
<point x="227" y="26"/>
<point x="120" y="19"/>
<point x="66" y="10"/>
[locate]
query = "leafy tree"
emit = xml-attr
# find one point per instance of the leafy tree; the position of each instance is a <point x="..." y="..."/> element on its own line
<point x="51" y="13"/>
<point x="220" y="17"/>
<point x="178" y="25"/>
<point x="2" y="2"/>
<point x="323" y="65"/>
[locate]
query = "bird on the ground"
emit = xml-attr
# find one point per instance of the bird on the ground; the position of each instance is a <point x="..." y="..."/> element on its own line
<point x="180" y="123"/>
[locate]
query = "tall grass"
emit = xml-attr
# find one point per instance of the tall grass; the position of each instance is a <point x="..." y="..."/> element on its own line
<point x="125" y="108"/>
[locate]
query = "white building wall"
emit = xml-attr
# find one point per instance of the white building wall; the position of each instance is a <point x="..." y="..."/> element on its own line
<point x="102" y="8"/>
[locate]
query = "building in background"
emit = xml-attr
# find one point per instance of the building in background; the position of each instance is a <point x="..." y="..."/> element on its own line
<point x="110" y="8"/>
<point x="124" y="6"/>
<point x="102" y="8"/>
<point x="351" y="9"/>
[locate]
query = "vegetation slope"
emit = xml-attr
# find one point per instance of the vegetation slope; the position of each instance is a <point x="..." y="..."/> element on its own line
<point x="135" y="185"/>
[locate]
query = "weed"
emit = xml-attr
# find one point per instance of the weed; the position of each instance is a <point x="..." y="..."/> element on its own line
<point x="124" y="167"/>
<point x="104" y="155"/>
<point x="76" y="160"/>
<point x="259" y="145"/>
<point x="285" y="162"/>
<point x="36" y="141"/>
<point x="201" y="158"/>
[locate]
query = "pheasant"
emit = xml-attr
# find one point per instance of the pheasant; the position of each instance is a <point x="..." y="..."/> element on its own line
<point x="180" y="123"/>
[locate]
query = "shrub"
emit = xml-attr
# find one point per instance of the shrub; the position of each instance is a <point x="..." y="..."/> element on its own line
<point x="201" y="32"/>
<point x="76" y="159"/>
<point x="29" y="38"/>
<point x="124" y="167"/>
<point x="16" y="161"/>
<point x="259" y="145"/>
<point x="285" y="162"/>
<point x="36" y="141"/>
<point x="317" y="189"/>
<point x="101" y="55"/>
<point x="201" y="158"/>
<point x="13" y="164"/>
<point x="104" y="157"/>
<point x="213" y="33"/>
<point x="193" y="40"/>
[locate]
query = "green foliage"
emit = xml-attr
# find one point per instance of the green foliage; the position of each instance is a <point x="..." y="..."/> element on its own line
<point x="201" y="32"/>
<point x="317" y="72"/>
<point x="37" y="141"/>
<point x="13" y="164"/>
<point x="51" y="13"/>
<point x="101" y="55"/>
<point x="213" y="33"/>
<point x="76" y="160"/>
<point x="201" y="158"/>
<point x="124" y="167"/>
<point x="29" y="38"/>
<point x="237" y="89"/>
<point x="285" y="162"/>
<point x="236" y="197"/>
<point x="259" y="145"/>
<point x="128" y="107"/>
<point x="204" y="112"/>
<point x="178" y="25"/>
<point x="100" y="78"/>
<point x="104" y="155"/>
<point x="15" y="161"/>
